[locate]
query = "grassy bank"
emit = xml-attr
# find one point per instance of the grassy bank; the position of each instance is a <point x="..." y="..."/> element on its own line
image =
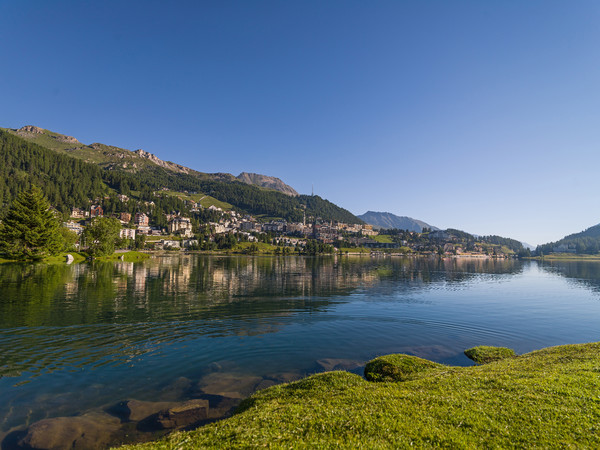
<point x="62" y="258"/>
<point x="547" y="398"/>
<point x="566" y="257"/>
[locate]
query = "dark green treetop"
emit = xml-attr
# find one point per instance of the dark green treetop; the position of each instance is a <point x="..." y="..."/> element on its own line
<point x="30" y="230"/>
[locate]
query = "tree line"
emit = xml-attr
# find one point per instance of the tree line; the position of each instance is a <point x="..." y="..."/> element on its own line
<point x="587" y="242"/>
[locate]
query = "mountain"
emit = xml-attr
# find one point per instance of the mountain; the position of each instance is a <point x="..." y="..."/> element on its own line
<point x="529" y="246"/>
<point x="584" y="242"/>
<point x="267" y="182"/>
<point x="32" y="155"/>
<point x="388" y="220"/>
<point x="106" y="156"/>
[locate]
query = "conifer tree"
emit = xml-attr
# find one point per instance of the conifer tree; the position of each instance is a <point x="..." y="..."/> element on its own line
<point x="30" y="230"/>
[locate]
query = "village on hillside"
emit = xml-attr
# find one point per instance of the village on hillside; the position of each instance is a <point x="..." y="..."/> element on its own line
<point x="227" y="228"/>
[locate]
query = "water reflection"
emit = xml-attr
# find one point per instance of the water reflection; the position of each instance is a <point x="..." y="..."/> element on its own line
<point x="191" y="287"/>
<point x="55" y="316"/>
<point x="80" y="336"/>
<point x="585" y="273"/>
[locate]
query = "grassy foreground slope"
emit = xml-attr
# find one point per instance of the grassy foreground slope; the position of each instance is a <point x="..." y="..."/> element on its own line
<point x="547" y="398"/>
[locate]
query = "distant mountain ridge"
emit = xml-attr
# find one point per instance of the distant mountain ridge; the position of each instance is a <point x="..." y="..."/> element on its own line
<point x="587" y="242"/>
<point x="388" y="220"/>
<point x="267" y="182"/>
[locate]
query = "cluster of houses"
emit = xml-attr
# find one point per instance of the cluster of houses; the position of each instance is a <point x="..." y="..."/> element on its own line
<point x="284" y="233"/>
<point x="325" y="232"/>
<point x="179" y="232"/>
<point x="177" y="225"/>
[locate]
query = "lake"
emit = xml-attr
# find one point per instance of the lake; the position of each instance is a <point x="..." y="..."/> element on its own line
<point x="87" y="336"/>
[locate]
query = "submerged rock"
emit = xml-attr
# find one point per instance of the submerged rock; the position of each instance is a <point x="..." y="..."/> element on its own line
<point x="136" y="410"/>
<point x="284" y="377"/>
<point x="329" y="364"/>
<point x="90" y="431"/>
<point x="228" y="385"/>
<point x="183" y="415"/>
<point x="176" y="390"/>
<point x="221" y="407"/>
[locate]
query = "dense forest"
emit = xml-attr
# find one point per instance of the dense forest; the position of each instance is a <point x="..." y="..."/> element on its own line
<point x="69" y="182"/>
<point x="513" y="244"/>
<point x="585" y="242"/>
<point x="65" y="181"/>
<point x="431" y="240"/>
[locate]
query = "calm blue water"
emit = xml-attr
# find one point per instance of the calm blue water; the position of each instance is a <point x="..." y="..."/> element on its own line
<point x="73" y="338"/>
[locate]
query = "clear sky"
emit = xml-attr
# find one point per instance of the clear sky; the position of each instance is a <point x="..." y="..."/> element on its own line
<point x="477" y="115"/>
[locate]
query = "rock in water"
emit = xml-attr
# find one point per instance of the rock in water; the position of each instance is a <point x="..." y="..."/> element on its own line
<point x="136" y="410"/>
<point x="228" y="385"/>
<point x="89" y="431"/>
<point x="329" y="364"/>
<point x="183" y="415"/>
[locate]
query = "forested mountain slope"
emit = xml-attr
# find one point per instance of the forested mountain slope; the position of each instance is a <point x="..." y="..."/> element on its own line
<point x="71" y="181"/>
<point x="587" y="241"/>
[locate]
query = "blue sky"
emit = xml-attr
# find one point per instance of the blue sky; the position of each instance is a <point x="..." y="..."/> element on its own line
<point x="477" y="115"/>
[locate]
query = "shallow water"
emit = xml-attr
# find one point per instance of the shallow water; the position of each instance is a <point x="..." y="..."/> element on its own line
<point x="74" y="338"/>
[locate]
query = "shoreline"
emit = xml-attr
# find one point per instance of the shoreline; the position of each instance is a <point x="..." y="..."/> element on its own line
<point x="400" y="399"/>
<point x="512" y="399"/>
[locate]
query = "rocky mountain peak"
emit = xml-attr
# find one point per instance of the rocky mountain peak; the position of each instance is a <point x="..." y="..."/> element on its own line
<point x="30" y="130"/>
<point x="267" y="182"/>
<point x="159" y="162"/>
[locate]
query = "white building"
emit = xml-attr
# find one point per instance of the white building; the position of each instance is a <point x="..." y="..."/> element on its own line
<point x="73" y="226"/>
<point x="181" y="225"/>
<point x="127" y="233"/>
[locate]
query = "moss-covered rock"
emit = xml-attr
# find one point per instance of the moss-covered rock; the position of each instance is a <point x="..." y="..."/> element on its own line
<point x="544" y="399"/>
<point x="398" y="367"/>
<point x="484" y="354"/>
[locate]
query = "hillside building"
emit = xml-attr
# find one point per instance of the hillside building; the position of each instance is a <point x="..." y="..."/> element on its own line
<point x="127" y="233"/>
<point x="181" y="225"/>
<point x="141" y="219"/>
<point x="96" y="211"/>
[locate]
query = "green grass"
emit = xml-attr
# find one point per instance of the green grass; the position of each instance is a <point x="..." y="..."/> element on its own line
<point x="209" y="201"/>
<point x="398" y="368"/>
<point x="5" y="261"/>
<point x="354" y="250"/>
<point x="403" y="250"/>
<point x="568" y="257"/>
<point x="47" y="140"/>
<point x="546" y="399"/>
<point x="264" y="248"/>
<point x="62" y="258"/>
<point x="205" y="200"/>
<point x="485" y="354"/>
<point x="265" y="218"/>
<point x="383" y="238"/>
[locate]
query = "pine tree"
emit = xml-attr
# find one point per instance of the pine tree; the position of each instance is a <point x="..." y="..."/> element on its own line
<point x="30" y="230"/>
